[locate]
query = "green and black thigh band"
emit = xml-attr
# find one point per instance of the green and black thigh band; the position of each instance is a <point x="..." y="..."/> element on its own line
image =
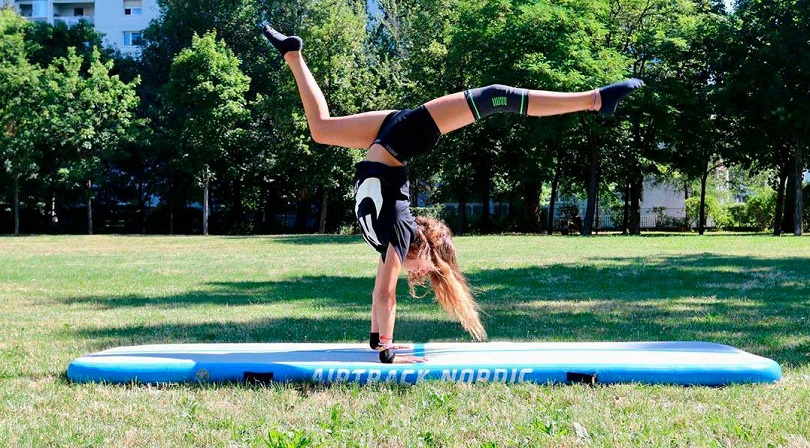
<point x="497" y="98"/>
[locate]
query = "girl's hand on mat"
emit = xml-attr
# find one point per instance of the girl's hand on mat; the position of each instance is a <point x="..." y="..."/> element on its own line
<point x="408" y="359"/>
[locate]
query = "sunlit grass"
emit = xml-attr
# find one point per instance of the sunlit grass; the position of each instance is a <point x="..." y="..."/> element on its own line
<point x="64" y="296"/>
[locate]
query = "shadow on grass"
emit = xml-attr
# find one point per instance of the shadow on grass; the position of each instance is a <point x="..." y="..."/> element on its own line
<point x="329" y="291"/>
<point x="314" y="240"/>
<point x="757" y="304"/>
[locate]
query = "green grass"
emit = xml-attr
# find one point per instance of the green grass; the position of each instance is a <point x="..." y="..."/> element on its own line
<point x="62" y="297"/>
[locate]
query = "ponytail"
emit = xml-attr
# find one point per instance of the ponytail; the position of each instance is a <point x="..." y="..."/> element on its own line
<point x="434" y="244"/>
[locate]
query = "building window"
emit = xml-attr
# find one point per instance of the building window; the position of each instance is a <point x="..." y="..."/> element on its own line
<point x="78" y="12"/>
<point x="133" y="7"/>
<point x="37" y="8"/>
<point x="132" y="38"/>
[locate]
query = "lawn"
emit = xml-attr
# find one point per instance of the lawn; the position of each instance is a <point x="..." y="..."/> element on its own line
<point x="65" y="296"/>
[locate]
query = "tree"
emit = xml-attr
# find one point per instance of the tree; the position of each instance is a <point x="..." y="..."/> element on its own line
<point x="84" y="118"/>
<point x="699" y="133"/>
<point x="236" y="23"/>
<point x="770" y="86"/>
<point x="207" y="92"/>
<point x="48" y="42"/>
<point x="18" y="88"/>
<point x="642" y="30"/>
<point x="335" y="38"/>
<point x="545" y="45"/>
<point x="569" y="53"/>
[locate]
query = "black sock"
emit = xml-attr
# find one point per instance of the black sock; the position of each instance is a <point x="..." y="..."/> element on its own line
<point x="613" y="94"/>
<point x="282" y="43"/>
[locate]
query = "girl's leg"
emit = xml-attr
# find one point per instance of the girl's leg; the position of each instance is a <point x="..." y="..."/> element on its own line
<point x="543" y="103"/>
<point x="353" y="131"/>
<point x="454" y="111"/>
<point x="450" y="112"/>
<point x="604" y="99"/>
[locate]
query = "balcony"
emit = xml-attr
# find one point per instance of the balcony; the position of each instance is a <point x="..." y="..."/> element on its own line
<point x="34" y="10"/>
<point x="72" y="20"/>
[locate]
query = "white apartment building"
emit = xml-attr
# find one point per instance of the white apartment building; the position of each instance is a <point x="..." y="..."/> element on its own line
<point x="120" y="21"/>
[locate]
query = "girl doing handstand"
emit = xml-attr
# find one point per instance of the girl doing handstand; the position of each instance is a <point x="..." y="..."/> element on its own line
<point x="422" y="246"/>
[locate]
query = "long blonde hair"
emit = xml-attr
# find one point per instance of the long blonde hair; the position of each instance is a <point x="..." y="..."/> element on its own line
<point x="434" y="245"/>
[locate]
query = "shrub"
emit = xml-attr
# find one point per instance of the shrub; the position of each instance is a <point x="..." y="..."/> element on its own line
<point x="714" y="210"/>
<point x="664" y="221"/>
<point x="435" y="211"/>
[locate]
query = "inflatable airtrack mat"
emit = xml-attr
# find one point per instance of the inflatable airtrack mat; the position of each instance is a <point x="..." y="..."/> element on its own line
<point x="684" y="363"/>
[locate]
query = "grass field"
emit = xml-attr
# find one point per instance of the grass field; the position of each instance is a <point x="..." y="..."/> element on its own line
<point x="62" y="297"/>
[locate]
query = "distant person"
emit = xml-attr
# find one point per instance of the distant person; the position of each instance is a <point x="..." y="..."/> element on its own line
<point x="576" y="223"/>
<point x="422" y="246"/>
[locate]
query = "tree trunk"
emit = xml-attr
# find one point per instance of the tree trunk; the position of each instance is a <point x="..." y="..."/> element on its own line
<point x="593" y="187"/>
<point x="170" y="203"/>
<point x="597" y="224"/>
<point x="685" y="212"/>
<point x="141" y="208"/>
<point x="790" y="201"/>
<point x="702" y="212"/>
<point x="797" y="212"/>
<point x="17" y="204"/>
<point x="324" y="203"/>
<point x="510" y="207"/>
<point x="626" y="210"/>
<point x="265" y="202"/>
<point x="780" y="203"/>
<point x="171" y="215"/>
<point x="237" y="205"/>
<point x="462" y="214"/>
<point x="205" y="204"/>
<point x="486" y="225"/>
<point x="553" y="200"/>
<point x="54" y="217"/>
<point x="531" y="211"/>
<point x="636" y="179"/>
<point x="302" y="211"/>
<point x="636" y="185"/>
<point x="89" y="207"/>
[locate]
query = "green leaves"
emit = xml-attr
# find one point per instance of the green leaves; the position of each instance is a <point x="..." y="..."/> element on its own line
<point x="721" y="85"/>
<point x="65" y="112"/>
<point x="85" y="115"/>
<point x="207" y="91"/>
<point x="18" y="78"/>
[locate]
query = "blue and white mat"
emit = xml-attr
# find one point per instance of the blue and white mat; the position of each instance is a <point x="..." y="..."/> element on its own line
<point x="685" y="363"/>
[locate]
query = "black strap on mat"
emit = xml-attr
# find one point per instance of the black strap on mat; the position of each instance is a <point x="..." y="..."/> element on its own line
<point x="582" y="378"/>
<point x="258" y="377"/>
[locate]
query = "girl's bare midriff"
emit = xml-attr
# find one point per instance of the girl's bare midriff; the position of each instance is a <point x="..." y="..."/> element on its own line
<point x="376" y="153"/>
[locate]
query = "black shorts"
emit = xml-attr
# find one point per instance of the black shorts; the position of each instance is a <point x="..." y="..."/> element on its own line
<point x="408" y="133"/>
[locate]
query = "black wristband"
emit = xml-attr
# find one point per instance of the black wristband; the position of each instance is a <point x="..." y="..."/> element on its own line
<point x="387" y="356"/>
<point x="374" y="340"/>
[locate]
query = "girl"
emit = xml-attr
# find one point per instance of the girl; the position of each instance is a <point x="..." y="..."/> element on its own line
<point x="422" y="246"/>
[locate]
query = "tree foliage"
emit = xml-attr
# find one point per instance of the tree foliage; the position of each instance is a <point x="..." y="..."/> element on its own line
<point x="206" y="90"/>
<point x="217" y="110"/>
<point x="18" y="88"/>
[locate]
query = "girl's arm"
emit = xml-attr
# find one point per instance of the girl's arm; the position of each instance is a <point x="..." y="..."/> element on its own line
<point x="384" y="303"/>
